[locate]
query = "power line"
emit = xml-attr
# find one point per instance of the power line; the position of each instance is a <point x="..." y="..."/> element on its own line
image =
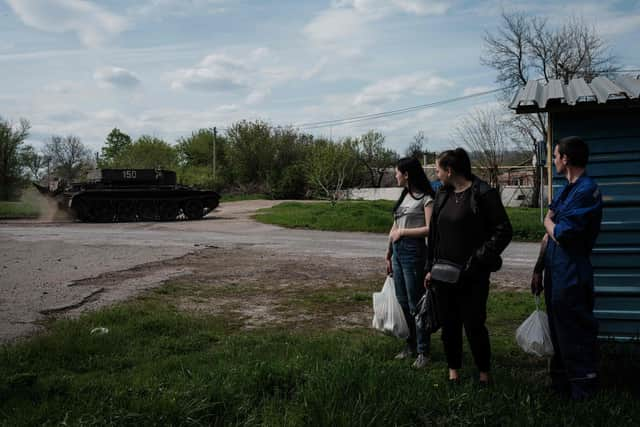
<point x="391" y="113"/>
<point x="384" y="114"/>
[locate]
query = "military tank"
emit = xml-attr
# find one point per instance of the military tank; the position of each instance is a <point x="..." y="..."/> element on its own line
<point x="119" y="195"/>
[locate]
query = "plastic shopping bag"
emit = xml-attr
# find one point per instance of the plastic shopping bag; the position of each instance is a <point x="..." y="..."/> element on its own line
<point x="387" y="313"/>
<point x="427" y="318"/>
<point x="533" y="335"/>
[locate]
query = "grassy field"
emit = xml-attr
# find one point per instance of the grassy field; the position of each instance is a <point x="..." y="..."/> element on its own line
<point x="14" y="210"/>
<point x="374" y="216"/>
<point x="161" y="366"/>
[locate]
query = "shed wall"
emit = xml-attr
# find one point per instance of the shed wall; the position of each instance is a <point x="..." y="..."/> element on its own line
<point x="614" y="143"/>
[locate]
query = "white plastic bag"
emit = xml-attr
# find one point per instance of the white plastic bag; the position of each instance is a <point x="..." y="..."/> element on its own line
<point x="533" y="335"/>
<point x="387" y="313"/>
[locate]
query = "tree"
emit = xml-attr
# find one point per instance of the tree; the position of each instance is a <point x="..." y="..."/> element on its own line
<point x="147" y="152"/>
<point x="287" y="177"/>
<point x="252" y="151"/>
<point x="486" y="135"/>
<point x="195" y="159"/>
<point x="115" y="144"/>
<point x="417" y="147"/>
<point x="374" y="156"/>
<point x="69" y="157"/>
<point x="269" y="159"/>
<point x="11" y="145"/>
<point x="525" y="48"/>
<point x="331" y="166"/>
<point x="33" y="162"/>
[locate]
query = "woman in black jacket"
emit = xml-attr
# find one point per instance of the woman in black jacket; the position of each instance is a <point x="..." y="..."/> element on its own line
<point x="469" y="229"/>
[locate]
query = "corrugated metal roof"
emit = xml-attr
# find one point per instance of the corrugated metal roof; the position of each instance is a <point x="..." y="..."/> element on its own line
<point x="541" y="96"/>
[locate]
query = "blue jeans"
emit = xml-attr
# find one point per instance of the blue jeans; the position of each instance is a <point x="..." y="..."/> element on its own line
<point x="409" y="256"/>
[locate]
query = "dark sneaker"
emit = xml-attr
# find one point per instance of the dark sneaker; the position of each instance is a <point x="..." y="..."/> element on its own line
<point x="421" y="361"/>
<point x="405" y="354"/>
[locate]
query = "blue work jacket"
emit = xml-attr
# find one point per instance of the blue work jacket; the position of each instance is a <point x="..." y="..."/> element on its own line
<point x="577" y="214"/>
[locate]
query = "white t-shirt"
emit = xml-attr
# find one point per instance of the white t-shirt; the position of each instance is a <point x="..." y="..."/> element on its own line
<point x="410" y="213"/>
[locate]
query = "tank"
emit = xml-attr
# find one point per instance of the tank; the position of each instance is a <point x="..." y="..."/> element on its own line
<point x="119" y="195"/>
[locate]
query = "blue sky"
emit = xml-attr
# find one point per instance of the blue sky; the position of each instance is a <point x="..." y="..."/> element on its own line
<point x="169" y="67"/>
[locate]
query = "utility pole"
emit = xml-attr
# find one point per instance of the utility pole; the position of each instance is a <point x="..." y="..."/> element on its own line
<point x="215" y="137"/>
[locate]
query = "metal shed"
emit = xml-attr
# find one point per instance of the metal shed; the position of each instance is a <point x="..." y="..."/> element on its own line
<point x="606" y="114"/>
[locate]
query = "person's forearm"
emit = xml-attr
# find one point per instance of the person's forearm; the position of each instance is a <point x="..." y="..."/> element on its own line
<point x="539" y="267"/>
<point x="415" y="232"/>
<point x="549" y="227"/>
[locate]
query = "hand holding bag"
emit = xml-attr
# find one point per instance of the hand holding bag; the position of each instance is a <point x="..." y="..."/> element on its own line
<point x="388" y="316"/>
<point x="427" y="317"/>
<point x="533" y="335"/>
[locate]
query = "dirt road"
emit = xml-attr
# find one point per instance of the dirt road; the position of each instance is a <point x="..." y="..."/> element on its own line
<point x="64" y="268"/>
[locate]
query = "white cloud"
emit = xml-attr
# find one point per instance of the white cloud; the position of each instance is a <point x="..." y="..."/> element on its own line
<point x="116" y="77"/>
<point x="257" y="96"/>
<point x="62" y="88"/>
<point x="346" y="27"/>
<point x="206" y="79"/>
<point x="92" y="24"/>
<point x="334" y="25"/>
<point x="165" y="8"/>
<point x="250" y="74"/>
<point x="315" y="69"/>
<point x="423" y="7"/>
<point x="392" y="89"/>
<point x="217" y="72"/>
<point x="67" y="116"/>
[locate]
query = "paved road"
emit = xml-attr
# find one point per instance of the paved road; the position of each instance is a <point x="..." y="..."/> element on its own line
<point x="38" y="259"/>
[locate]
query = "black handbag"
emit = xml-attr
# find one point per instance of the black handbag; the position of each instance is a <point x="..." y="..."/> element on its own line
<point x="427" y="318"/>
<point x="446" y="271"/>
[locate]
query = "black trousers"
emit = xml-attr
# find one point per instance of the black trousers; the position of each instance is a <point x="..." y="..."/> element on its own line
<point x="465" y="304"/>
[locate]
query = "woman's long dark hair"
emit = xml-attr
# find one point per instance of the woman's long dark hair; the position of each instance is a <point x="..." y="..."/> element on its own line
<point x="418" y="181"/>
<point x="458" y="161"/>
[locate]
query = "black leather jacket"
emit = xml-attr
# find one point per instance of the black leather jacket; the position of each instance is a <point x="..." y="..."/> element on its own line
<point x="492" y="227"/>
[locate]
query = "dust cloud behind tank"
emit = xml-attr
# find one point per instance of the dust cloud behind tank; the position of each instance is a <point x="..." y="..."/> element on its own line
<point x="119" y="195"/>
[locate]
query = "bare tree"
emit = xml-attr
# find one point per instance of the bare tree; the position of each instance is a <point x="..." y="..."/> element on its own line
<point x="34" y="162"/>
<point x="486" y="135"/>
<point x="524" y="48"/>
<point x="70" y="159"/>
<point x="417" y="146"/>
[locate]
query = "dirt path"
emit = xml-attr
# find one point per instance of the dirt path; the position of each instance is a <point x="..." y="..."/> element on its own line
<point x="227" y="263"/>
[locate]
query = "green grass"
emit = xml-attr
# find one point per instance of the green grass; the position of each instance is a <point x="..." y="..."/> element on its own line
<point x="373" y="216"/>
<point x="526" y="224"/>
<point x="15" y="210"/>
<point x="159" y="366"/>
<point x="343" y="216"/>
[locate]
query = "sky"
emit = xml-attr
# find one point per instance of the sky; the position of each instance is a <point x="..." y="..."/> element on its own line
<point x="169" y="67"/>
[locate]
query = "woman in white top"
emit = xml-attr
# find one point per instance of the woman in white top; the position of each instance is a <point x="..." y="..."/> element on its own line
<point x="407" y="253"/>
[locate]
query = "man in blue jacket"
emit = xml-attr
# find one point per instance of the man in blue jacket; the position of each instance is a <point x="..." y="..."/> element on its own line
<point x="572" y="225"/>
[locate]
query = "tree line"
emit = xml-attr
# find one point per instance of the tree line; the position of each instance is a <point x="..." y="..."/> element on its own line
<point x="251" y="156"/>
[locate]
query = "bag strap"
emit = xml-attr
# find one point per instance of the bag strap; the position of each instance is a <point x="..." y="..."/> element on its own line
<point x="437" y="208"/>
